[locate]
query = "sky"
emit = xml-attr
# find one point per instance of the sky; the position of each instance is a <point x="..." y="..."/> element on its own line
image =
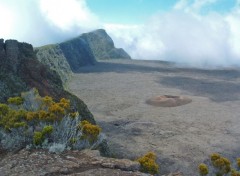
<point x="194" y="32"/>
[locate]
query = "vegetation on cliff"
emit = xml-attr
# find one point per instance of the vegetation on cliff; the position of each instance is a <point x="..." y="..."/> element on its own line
<point x="20" y="71"/>
<point x="39" y="122"/>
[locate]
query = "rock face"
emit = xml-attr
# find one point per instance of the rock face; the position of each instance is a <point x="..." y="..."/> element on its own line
<point x="78" y="53"/>
<point x="103" y="47"/>
<point x="72" y="163"/>
<point x="20" y="71"/>
<point x="2" y="51"/>
<point x="68" y="56"/>
<point x="53" y="56"/>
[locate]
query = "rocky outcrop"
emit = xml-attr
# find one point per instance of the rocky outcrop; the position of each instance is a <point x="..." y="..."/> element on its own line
<point x="78" y="53"/>
<point x="72" y="163"/>
<point x="103" y="46"/>
<point x="66" y="57"/>
<point x="53" y="56"/>
<point x="2" y="51"/>
<point x="20" y="71"/>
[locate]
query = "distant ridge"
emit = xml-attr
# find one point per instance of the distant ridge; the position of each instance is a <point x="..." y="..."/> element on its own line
<point x="69" y="56"/>
<point x="103" y="46"/>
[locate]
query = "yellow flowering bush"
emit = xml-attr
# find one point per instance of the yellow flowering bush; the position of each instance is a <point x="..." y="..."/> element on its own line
<point x="235" y="173"/>
<point x="148" y="163"/>
<point x="203" y="169"/>
<point x="221" y="166"/>
<point x="238" y="162"/>
<point x="89" y="131"/>
<point x="40" y="121"/>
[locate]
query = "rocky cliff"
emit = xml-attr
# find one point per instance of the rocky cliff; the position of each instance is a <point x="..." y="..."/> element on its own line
<point x="103" y="46"/>
<point x="53" y="56"/>
<point x="68" y="56"/>
<point x="20" y="71"/>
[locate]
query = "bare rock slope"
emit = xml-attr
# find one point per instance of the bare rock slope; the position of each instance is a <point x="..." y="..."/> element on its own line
<point x="72" y="163"/>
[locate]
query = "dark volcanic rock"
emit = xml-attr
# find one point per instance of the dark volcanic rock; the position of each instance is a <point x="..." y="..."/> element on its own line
<point x="103" y="47"/>
<point x="2" y="51"/>
<point x="20" y="71"/>
<point x="12" y="52"/>
<point x="78" y="53"/>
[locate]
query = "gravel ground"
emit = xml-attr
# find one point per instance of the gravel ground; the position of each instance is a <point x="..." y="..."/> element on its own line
<point x="183" y="136"/>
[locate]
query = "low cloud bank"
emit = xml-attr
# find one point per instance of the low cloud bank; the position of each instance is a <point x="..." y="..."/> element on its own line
<point x="211" y="40"/>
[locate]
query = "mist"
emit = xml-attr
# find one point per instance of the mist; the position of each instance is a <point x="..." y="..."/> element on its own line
<point x="42" y="22"/>
<point x="183" y="34"/>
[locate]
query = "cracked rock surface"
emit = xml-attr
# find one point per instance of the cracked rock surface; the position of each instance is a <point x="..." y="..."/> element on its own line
<point x="74" y="163"/>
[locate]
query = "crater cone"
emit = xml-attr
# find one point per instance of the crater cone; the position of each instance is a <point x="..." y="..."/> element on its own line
<point x="168" y="101"/>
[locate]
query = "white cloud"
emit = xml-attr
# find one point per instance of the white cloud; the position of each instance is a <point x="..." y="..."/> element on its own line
<point x="8" y="19"/>
<point x="186" y="36"/>
<point x="199" y="4"/>
<point x="193" y="6"/>
<point x="45" y="21"/>
<point x="68" y="14"/>
<point x="181" y="4"/>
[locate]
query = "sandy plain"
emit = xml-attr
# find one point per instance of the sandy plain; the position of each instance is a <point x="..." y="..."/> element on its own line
<point x="183" y="136"/>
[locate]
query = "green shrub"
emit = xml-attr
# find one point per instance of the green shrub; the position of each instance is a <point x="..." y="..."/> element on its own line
<point x="47" y="130"/>
<point x="15" y="100"/>
<point x="38" y="138"/>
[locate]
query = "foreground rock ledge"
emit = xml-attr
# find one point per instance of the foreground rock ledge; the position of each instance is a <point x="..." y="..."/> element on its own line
<point x="73" y="163"/>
